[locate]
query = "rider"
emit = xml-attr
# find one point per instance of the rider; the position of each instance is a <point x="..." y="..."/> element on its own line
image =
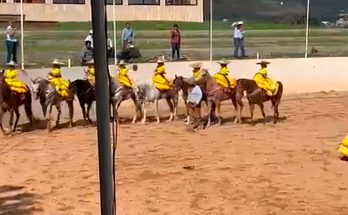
<point x="123" y="77"/>
<point x="223" y="78"/>
<point x="264" y="82"/>
<point x="343" y="148"/>
<point x="91" y="72"/>
<point x="160" y="79"/>
<point x="55" y="78"/>
<point x="16" y="85"/>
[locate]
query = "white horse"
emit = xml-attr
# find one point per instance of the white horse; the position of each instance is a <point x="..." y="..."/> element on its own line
<point x="148" y="93"/>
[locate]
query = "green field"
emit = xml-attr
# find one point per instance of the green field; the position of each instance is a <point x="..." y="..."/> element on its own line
<point x="43" y="42"/>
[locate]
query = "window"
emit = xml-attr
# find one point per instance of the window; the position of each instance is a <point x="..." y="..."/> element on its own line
<point x="117" y="2"/>
<point x="68" y="1"/>
<point x="30" y="1"/>
<point x="143" y="2"/>
<point x="181" y="2"/>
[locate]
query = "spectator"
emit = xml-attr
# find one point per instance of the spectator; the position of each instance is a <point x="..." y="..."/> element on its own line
<point x="127" y="35"/>
<point x="110" y="47"/>
<point x="238" y="38"/>
<point x="87" y="52"/>
<point x="129" y="53"/>
<point x="175" y="38"/>
<point x="11" y="43"/>
<point x="90" y="37"/>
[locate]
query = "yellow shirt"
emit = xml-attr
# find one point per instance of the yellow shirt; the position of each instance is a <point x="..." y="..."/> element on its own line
<point x="124" y="79"/>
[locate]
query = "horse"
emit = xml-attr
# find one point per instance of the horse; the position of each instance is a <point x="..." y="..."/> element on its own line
<point x="258" y="96"/>
<point x="148" y="93"/>
<point x="49" y="97"/>
<point x="119" y="94"/>
<point x="86" y="96"/>
<point x="215" y="95"/>
<point x="11" y="101"/>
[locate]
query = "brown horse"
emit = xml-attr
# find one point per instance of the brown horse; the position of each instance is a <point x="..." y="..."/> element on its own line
<point x="215" y="95"/>
<point x="11" y="101"/>
<point x="258" y="96"/>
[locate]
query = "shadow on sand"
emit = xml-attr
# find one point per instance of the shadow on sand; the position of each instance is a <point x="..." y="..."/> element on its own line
<point x="15" y="201"/>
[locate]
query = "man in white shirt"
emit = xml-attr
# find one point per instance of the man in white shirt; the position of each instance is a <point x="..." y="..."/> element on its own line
<point x="238" y="38"/>
<point x="90" y="37"/>
<point x="110" y="47"/>
<point x="11" y="43"/>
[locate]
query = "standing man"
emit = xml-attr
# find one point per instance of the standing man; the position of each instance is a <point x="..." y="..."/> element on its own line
<point x="238" y="38"/>
<point x="11" y="43"/>
<point x="175" y="39"/>
<point x="90" y="37"/>
<point x="127" y="35"/>
<point x="86" y="53"/>
<point x="110" y="47"/>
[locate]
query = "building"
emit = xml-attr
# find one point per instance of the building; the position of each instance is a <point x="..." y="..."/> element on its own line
<point x="126" y="10"/>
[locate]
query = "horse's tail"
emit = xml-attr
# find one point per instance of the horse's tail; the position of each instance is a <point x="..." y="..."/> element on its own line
<point x="28" y="108"/>
<point x="278" y="95"/>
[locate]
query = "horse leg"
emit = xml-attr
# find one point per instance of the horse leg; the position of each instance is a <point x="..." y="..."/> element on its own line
<point x="59" y="110"/>
<point x="144" y="112"/>
<point x="89" y="105"/>
<point x="135" y="116"/>
<point x="235" y="105"/>
<point x="49" y="117"/>
<point x="175" y="104"/>
<point x="11" y="120"/>
<point x="17" y="119"/>
<point x="263" y="112"/>
<point x="84" y="114"/>
<point x="218" y="111"/>
<point x="276" y="113"/>
<point x="252" y="107"/>
<point x="209" y="106"/>
<point x="71" y="112"/>
<point x="1" y="127"/>
<point x="156" y="111"/>
<point x="240" y="110"/>
<point x="172" y="109"/>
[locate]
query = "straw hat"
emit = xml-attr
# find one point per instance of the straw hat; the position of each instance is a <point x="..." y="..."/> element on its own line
<point x="237" y="23"/>
<point x="11" y="63"/>
<point x="90" y="32"/>
<point x="196" y="65"/>
<point x="223" y="62"/>
<point x="122" y="62"/>
<point x="263" y="62"/>
<point x="57" y="62"/>
<point x="90" y="62"/>
<point x="160" y="60"/>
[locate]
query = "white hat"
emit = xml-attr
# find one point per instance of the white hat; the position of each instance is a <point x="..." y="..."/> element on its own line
<point x="237" y="23"/>
<point x="90" y="62"/>
<point x="131" y="46"/>
<point x="11" y="63"/>
<point x="160" y="59"/>
<point x="90" y="31"/>
<point x="122" y="62"/>
<point x="57" y="62"/>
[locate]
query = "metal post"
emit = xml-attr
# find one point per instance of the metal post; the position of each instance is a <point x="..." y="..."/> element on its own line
<point x="307" y="28"/>
<point x="102" y="107"/>
<point x="211" y="31"/>
<point x="22" y="35"/>
<point x="115" y="30"/>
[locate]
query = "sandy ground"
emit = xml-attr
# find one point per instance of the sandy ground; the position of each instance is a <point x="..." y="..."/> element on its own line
<point x="289" y="168"/>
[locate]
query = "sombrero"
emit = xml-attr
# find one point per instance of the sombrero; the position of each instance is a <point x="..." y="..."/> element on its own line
<point x="122" y="62"/>
<point x="196" y="65"/>
<point x="223" y="62"/>
<point x="263" y="62"/>
<point x="57" y="62"/>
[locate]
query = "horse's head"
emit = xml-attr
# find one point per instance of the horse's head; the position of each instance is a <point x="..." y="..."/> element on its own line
<point x="36" y="86"/>
<point x="178" y="82"/>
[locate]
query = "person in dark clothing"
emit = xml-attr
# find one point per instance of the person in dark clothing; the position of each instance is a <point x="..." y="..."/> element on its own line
<point x="87" y="52"/>
<point x="130" y="52"/>
<point x="175" y="39"/>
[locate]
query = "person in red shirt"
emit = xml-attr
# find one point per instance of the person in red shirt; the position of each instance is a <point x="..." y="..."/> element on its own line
<point x="175" y="39"/>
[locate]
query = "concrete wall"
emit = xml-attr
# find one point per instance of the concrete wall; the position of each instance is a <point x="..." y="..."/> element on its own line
<point x="297" y="75"/>
<point x="80" y="13"/>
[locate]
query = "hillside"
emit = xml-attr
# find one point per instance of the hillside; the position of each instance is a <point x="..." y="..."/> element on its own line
<point x="268" y="9"/>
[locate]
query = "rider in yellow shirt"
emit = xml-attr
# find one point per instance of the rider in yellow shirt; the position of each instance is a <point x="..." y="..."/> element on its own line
<point x="11" y="79"/>
<point x="91" y="72"/>
<point x="160" y="79"/>
<point x="196" y="70"/>
<point x="343" y="148"/>
<point x="123" y="77"/>
<point x="263" y="81"/>
<point x="55" y="78"/>
<point x="223" y="77"/>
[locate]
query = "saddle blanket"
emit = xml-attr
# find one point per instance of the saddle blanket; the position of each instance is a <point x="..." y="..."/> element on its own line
<point x="195" y="96"/>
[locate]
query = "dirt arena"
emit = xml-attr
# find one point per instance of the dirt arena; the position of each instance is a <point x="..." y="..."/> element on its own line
<point x="290" y="168"/>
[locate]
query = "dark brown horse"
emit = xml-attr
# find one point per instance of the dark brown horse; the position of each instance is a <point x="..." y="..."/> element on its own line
<point x="11" y="101"/>
<point x="215" y="95"/>
<point x="258" y="96"/>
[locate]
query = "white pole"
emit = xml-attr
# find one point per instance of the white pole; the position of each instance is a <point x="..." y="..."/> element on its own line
<point x="211" y="32"/>
<point x="307" y="28"/>
<point x="22" y="35"/>
<point x="115" y="33"/>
